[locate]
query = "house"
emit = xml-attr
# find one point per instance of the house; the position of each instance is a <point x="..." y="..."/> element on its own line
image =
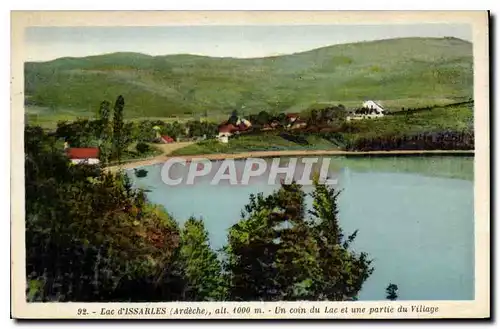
<point x="292" y="117"/>
<point x="374" y="106"/>
<point x="370" y="110"/>
<point x="298" y="124"/>
<point x="266" y="127"/>
<point x="243" y="124"/>
<point x="225" y="131"/>
<point x="274" y="124"/>
<point x="83" y="155"/>
<point x="166" y="139"/>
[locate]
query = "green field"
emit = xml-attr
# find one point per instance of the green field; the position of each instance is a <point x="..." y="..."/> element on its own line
<point x="262" y="142"/>
<point x="451" y="118"/>
<point x="408" y="72"/>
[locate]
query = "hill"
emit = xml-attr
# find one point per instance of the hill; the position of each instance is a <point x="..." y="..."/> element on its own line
<point x="400" y="72"/>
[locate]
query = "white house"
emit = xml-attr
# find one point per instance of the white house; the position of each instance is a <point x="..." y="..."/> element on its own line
<point x="374" y="106"/>
<point x="225" y="131"/>
<point x="375" y="111"/>
<point x="224" y="137"/>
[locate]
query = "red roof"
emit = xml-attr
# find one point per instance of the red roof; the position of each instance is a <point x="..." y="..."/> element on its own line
<point x="167" y="139"/>
<point x="242" y="126"/>
<point x="227" y="128"/>
<point x="224" y="129"/>
<point x="292" y="115"/>
<point x="83" y="153"/>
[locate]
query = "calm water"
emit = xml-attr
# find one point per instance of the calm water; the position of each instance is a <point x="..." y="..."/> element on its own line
<point x="415" y="218"/>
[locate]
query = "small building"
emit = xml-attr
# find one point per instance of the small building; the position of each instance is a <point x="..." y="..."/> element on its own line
<point x="291" y="120"/>
<point x="299" y="124"/>
<point x="372" y="105"/>
<point x="244" y="124"/>
<point x="83" y="155"/>
<point x="166" y="139"/>
<point x="370" y="110"/>
<point x="292" y="117"/>
<point x="274" y="124"/>
<point x="225" y="132"/>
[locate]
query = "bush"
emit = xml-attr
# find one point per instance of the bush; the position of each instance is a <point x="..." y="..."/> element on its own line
<point x="142" y="147"/>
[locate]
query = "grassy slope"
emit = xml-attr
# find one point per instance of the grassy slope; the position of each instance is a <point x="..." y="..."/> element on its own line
<point x="402" y="72"/>
<point x="263" y="142"/>
<point x="452" y="118"/>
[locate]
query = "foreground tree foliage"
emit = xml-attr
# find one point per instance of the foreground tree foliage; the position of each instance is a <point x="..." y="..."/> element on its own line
<point x="90" y="236"/>
<point x="201" y="267"/>
<point x="277" y="253"/>
<point x="88" y="232"/>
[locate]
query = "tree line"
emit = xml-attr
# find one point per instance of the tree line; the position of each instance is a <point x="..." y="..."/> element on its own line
<point x="444" y="140"/>
<point x="112" y="135"/>
<point x="315" y="117"/>
<point x="92" y="237"/>
<point x="410" y="110"/>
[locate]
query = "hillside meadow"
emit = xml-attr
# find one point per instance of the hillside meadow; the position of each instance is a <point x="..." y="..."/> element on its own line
<point x="407" y="72"/>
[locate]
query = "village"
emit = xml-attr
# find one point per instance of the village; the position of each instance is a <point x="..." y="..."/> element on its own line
<point x="255" y="123"/>
<point x="294" y="121"/>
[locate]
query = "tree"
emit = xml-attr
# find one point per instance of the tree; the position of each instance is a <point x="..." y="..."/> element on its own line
<point x="174" y="130"/>
<point x="147" y="131"/>
<point x="142" y="147"/>
<point x="104" y="111"/>
<point x="80" y="133"/>
<point x="276" y="253"/>
<point x="339" y="114"/>
<point x="314" y="117"/>
<point x="118" y="127"/>
<point x="202" y="269"/>
<point x="270" y="253"/>
<point x="263" y="118"/>
<point x="343" y="272"/>
<point x="233" y="118"/>
<point x="88" y="233"/>
<point x="104" y="131"/>
<point x="391" y="292"/>
<point x="281" y="117"/>
<point x="128" y="133"/>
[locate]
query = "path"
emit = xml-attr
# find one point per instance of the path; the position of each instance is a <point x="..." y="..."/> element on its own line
<point x="266" y="154"/>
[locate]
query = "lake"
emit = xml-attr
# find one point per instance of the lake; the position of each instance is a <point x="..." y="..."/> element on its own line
<point x="415" y="217"/>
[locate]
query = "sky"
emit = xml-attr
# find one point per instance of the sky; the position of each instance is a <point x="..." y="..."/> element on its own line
<point x="47" y="43"/>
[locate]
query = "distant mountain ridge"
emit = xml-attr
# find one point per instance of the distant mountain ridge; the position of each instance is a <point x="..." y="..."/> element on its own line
<point x="158" y="86"/>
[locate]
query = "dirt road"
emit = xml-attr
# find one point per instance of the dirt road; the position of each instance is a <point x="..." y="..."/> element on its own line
<point x="169" y="148"/>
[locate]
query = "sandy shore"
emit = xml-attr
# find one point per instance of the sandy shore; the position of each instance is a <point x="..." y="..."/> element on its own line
<point x="268" y="154"/>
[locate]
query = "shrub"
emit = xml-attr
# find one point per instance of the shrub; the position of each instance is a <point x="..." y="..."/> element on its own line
<point x="142" y="147"/>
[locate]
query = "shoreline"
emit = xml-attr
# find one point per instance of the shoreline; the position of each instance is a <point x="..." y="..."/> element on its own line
<point x="268" y="154"/>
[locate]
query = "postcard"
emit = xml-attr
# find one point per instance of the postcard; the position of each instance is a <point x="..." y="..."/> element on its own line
<point x="250" y="165"/>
